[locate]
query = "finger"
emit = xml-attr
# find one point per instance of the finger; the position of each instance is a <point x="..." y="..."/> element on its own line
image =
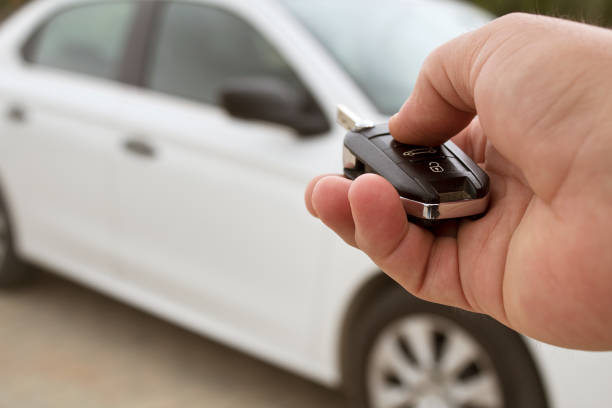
<point x="472" y="141"/>
<point x="330" y="203"/>
<point x="308" y="193"/>
<point x="442" y="103"/>
<point x="525" y="112"/>
<point x="424" y="265"/>
<point x="381" y="228"/>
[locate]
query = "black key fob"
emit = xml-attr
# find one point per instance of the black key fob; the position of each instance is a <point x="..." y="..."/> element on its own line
<point x="434" y="183"/>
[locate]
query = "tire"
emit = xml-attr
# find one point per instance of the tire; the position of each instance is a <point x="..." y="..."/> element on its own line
<point x="13" y="272"/>
<point x="402" y="352"/>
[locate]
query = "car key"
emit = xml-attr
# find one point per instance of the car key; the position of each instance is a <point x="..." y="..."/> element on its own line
<point x="434" y="182"/>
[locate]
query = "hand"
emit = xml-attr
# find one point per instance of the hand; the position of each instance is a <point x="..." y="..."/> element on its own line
<point x="540" y="261"/>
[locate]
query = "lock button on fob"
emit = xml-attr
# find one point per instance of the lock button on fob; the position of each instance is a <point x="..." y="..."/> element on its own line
<point x="434" y="182"/>
<point x="448" y="176"/>
<point x="433" y="168"/>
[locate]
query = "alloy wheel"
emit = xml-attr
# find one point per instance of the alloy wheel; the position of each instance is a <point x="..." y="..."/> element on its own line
<point x="426" y="361"/>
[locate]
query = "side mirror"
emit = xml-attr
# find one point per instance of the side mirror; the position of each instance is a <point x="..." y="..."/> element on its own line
<point x="272" y="100"/>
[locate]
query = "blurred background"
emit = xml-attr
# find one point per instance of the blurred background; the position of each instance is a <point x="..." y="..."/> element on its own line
<point x="64" y="345"/>
<point x="597" y="12"/>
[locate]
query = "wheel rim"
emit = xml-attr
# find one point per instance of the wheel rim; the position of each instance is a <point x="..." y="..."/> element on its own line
<point x="4" y="237"/>
<point x="426" y="361"/>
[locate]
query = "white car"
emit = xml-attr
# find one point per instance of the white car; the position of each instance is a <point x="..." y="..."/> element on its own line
<point x="158" y="152"/>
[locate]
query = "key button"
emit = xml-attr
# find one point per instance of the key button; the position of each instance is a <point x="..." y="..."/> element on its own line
<point x="401" y="152"/>
<point x="413" y="152"/>
<point x="434" y="168"/>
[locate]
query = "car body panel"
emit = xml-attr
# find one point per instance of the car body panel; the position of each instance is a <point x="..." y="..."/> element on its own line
<point x="574" y="378"/>
<point x="200" y="148"/>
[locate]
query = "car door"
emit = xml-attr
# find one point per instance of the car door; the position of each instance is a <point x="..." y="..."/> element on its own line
<point x="61" y="138"/>
<point x="211" y="212"/>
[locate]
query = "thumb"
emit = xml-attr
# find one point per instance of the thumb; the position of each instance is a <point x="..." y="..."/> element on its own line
<point x="442" y="102"/>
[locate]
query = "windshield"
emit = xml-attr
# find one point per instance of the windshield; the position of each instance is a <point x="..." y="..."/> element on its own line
<point x="382" y="44"/>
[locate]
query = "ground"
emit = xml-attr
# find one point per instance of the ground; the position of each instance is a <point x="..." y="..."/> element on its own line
<point x="65" y="346"/>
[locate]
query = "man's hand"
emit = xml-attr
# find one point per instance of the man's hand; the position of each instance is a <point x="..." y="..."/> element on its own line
<point x="540" y="261"/>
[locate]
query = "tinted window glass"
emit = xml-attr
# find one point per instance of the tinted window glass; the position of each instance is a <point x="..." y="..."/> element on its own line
<point x="384" y="54"/>
<point x="201" y="48"/>
<point x="86" y="39"/>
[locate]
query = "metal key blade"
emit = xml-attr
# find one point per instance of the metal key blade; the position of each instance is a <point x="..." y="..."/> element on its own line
<point x="350" y="121"/>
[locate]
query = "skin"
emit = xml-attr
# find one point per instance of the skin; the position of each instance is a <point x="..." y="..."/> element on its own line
<point x="530" y="99"/>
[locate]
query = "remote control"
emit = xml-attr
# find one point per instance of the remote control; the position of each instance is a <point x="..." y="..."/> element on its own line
<point x="434" y="182"/>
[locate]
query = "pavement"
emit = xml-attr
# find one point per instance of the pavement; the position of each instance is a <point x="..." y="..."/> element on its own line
<point x="62" y="345"/>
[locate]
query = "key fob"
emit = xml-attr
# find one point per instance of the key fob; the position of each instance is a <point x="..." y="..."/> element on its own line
<point x="434" y="183"/>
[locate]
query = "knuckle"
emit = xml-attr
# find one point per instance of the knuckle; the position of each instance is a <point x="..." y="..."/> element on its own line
<point x="435" y="57"/>
<point x="515" y="18"/>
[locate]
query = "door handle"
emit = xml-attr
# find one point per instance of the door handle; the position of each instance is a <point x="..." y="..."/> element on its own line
<point x="16" y="114"/>
<point x="140" y="147"/>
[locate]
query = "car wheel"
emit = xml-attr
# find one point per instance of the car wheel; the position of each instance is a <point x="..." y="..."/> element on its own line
<point x="403" y="352"/>
<point x="12" y="270"/>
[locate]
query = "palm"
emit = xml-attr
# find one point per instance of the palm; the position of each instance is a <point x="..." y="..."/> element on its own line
<point x="483" y="247"/>
<point x="530" y="262"/>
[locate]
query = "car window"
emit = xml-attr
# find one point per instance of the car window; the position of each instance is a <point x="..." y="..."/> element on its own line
<point x="201" y="48"/>
<point x="384" y="51"/>
<point x="87" y="39"/>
